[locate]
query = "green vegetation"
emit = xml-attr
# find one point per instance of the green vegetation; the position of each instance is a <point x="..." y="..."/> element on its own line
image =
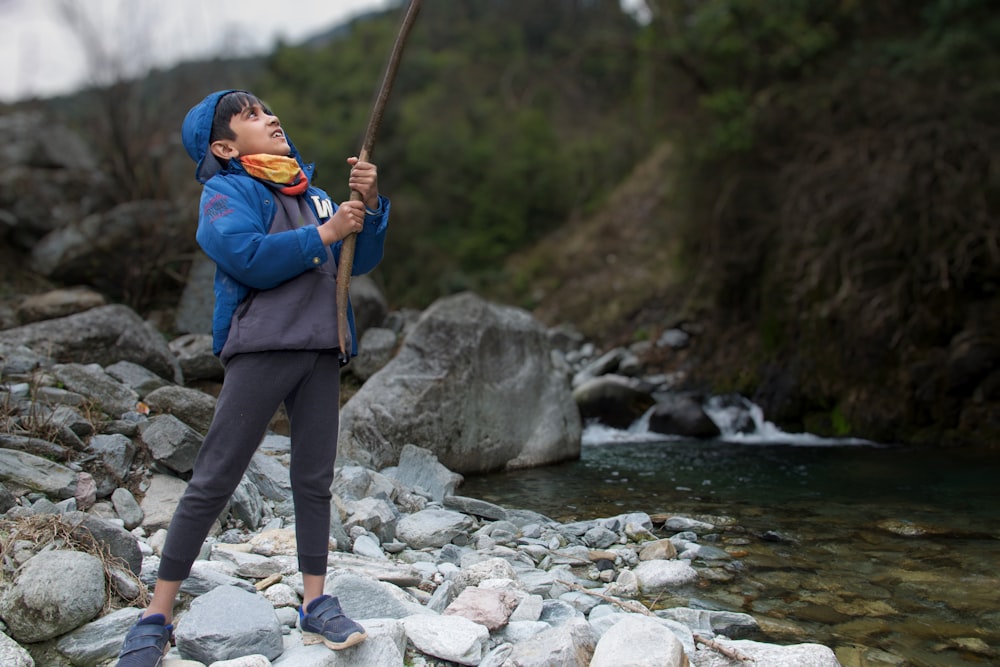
<point x="814" y="180"/>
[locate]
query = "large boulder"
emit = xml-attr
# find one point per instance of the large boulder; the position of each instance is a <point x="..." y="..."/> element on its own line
<point x="103" y="336"/>
<point x="476" y="384"/>
<point x="116" y="251"/>
<point x="53" y="593"/>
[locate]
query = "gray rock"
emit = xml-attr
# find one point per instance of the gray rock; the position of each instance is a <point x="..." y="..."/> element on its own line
<point x="59" y="396"/>
<point x="451" y="638"/>
<point x="119" y="542"/>
<point x="194" y="408"/>
<point x="375" y="349"/>
<point x="209" y="631"/>
<point x="683" y="523"/>
<point x="796" y="655"/>
<point x="474" y="507"/>
<point x="368" y="546"/>
<point x="375" y="515"/>
<point x="656" y="576"/>
<point x="137" y="378"/>
<point x="103" y="336"/>
<point x="432" y="528"/>
<point x="160" y="501"/>
<point x="385" y="647"/>
<point x="516" y="632"/>
<point x="126" y="507"/>
<point x="639" y="641"/>
<point x="474" y="383"/>
<point x="194" y="354"/>
<point x="270" y="476"/>
<point x="419" y="468"/>
<point x="369" y="304"/>
<point x="247" y="505"/>
<point x="17" y="359"/>
<point x="569" y="644"/>
<point x="682" y="415"/>
<point x="194" y="312"/>
<point x="600" y="537"/>
<point x="101" y="249"/>
<point x="116" y="452"/>
<point x="12" y="655"/>
<point x="111" y="396"/>
<point x="171" y="442"/>
<point x="363" y="597"/>
<point x="58" y="303"/>
<point x="205" y="577"/>
<point x="53" y="593"/>
<point x="20" y="470"/>
<point x="603" y="365"/>
<point x="34" y="446"/>
<point x="98" y="640"/>
<point x="614" y="400"/>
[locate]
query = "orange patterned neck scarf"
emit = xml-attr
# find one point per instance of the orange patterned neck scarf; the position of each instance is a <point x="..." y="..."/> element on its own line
<point x="280" y="170"/>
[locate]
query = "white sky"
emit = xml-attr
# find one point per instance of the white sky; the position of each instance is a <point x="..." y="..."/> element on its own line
<point x="42" y="55"/>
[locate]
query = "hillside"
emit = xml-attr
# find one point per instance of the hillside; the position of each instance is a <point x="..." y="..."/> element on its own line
<point x="611" y="273"/>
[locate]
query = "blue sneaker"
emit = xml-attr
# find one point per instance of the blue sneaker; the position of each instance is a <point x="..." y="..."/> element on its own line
<point x="325" y="622"/>
<point x="146" y="642"/>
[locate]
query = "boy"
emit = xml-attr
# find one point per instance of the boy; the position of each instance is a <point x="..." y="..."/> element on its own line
<point x="275" y="239"/>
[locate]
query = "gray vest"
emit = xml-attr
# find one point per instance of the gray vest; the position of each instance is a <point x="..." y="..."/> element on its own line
<point x="299" y="314"/>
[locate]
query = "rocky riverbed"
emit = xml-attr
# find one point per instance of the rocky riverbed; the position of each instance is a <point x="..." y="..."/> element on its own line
<point x="96" y="444"/>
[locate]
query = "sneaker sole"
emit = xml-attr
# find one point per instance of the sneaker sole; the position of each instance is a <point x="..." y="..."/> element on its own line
<point x="310" y="638"/>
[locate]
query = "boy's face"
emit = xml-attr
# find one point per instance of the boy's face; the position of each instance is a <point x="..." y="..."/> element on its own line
<point x="257" y="131"/>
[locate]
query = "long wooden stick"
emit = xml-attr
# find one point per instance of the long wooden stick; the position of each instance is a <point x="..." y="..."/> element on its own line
<point x="346" y="264"/>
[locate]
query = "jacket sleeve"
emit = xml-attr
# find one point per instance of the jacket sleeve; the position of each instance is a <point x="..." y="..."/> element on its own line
<point x="233" y="226"/>
<point x="370" y="245"/>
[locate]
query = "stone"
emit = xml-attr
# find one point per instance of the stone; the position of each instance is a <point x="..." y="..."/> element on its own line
<point x="432" y="528"/>
<point x="655" y="576"/>
<point x="569" y="644"/>
<point x="419" y="468"/>
<point x="160" y="501"/>
<point x="171" y="442"/>
<point x="99" y="640"/>
<point x="638" y="641"/>
<point x="451" y="638"/>
<point x="487" y="607"/>
<point x="209" y="631"/>
<point x="443" y="392"/>
<point x="54" y="592"/>
<point x="194" y="408"/>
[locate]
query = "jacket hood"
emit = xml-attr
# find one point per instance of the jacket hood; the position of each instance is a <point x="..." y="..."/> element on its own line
<point x="195" y="133"/>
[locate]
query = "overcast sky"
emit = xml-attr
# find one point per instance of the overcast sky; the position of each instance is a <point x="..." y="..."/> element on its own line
<point x="42" y="54"/>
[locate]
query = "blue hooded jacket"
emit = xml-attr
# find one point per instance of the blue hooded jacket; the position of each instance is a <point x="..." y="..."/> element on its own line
<point x="236" y="213"/>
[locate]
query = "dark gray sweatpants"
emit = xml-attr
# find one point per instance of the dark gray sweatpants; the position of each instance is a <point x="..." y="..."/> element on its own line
<point x="255" y="385"/>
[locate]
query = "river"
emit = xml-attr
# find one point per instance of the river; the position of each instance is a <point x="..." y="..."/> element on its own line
<point x="889" y="555"/>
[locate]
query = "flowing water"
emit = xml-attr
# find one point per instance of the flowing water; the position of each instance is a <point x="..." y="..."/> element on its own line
<point x="889" y="555"/>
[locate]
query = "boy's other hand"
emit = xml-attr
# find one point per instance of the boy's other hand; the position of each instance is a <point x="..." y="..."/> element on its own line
<point x="348" y="219"/>
<point x="364" y="179"/>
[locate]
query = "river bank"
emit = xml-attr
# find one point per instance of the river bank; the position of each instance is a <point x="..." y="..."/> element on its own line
<point x="888" y="555"/>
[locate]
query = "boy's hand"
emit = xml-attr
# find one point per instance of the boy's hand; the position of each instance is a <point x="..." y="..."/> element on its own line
<point x="347" y="219"/>
<point x="364" y="179"/>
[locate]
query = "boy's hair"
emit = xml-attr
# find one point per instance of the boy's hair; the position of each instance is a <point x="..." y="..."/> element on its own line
<point x="228" y="106"/>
